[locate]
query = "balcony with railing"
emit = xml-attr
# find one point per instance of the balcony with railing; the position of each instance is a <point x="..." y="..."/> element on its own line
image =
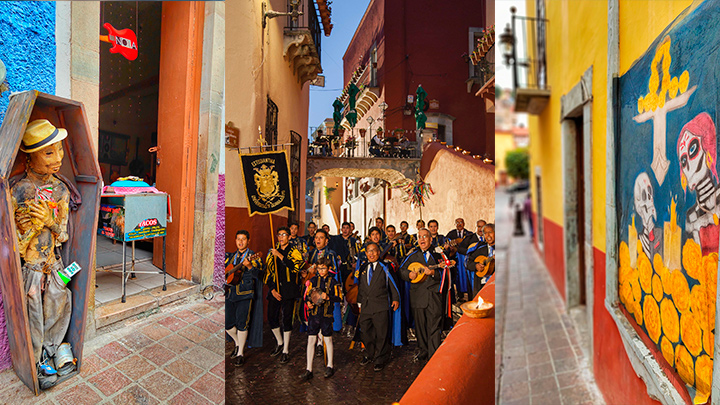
<point x="525" y="52"/>
<point x="482" y="71"/>
<point x="302" y="39"/>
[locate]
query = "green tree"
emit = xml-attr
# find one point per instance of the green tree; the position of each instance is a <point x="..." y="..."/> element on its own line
<point x="518" y="163"/>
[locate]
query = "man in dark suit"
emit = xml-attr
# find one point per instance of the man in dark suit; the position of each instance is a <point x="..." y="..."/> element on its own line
<point x="425" y="296"/>
<point x="377" y="294"/>
<point x="460" y="277"/>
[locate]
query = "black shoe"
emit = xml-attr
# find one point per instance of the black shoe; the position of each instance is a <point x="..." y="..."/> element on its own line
<point x="365" y="360"/>
<point x="284" y="358"/>
<point x="318" y="351"/>
<point x="277" y="350"/>
<point x="235" y="352"/>
<point x="307" y="375"/>
<point x="379" y="367"/>
<point x="329" y="372"/>
<point x="239" y="360"/>
<point x="419" y="357"/>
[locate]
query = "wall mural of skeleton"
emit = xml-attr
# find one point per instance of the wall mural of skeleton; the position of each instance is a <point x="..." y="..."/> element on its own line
<point x="697" y="149"/>
<point x="651" y="237"/>
<point x="668" y="198"/>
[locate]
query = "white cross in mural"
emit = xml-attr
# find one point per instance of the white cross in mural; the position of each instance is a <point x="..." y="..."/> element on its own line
<point x="660" y="163"/>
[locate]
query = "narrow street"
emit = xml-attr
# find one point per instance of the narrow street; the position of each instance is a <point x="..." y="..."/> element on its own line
<point x="538" y="357"/>
<point x="263" y="379"/>
<point x="170" y="356"/>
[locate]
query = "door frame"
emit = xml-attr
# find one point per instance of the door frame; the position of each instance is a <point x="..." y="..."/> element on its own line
<point x="578" y="102"/>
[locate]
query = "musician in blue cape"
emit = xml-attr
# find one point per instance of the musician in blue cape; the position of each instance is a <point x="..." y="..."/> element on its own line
<point x="283" y="266"/>
<point x="474" y="259"/>
<point x="437" y="238"/>
<point x="473" y="241"/>
<point x="321" y="292"/>
<point x="298" y="241"/>
<point x="379" y="301"/>
<point x="424" y="268"/>
<point x="243" y="302"/>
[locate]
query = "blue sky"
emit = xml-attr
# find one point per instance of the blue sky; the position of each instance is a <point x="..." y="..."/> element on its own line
<point x="346" y="16"/>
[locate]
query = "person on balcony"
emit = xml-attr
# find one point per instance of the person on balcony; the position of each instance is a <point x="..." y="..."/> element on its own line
<point x="376" y="145"/>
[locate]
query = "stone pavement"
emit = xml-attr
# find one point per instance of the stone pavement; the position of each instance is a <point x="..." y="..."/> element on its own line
<point x="174" y="355"/>
<point x="538" y="354"/>
<point x="264" y="380"/>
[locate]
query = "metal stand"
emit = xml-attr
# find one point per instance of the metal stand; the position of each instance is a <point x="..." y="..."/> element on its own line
<point x="125" y="276"/>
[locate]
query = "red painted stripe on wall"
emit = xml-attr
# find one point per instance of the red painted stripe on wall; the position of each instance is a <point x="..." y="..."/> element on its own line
<point x="553" y="252"/>
<point x="611" y="368"/>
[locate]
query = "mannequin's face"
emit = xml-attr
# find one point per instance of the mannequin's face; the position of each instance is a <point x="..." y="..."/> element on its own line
<point x="47" y="160"/>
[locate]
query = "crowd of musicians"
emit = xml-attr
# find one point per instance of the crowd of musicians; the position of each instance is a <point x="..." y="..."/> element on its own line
<point x="392" y="288"/>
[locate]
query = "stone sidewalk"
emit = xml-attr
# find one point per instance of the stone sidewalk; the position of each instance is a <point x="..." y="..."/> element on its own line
<point x="539" y="359"/>
<point x="175" y="355"/>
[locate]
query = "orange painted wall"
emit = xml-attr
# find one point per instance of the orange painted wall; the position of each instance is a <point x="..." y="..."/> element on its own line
<point x="178" y="114"/>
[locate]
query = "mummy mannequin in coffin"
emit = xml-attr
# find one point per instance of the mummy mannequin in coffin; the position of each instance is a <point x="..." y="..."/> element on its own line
<point x="650" y="237"/>
<point x="41" y="206"/>
<point x="697" y="154"/>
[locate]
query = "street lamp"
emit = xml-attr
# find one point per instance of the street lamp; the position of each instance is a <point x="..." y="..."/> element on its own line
<point x="507" y="39"/>
<point x="370" y="121"/>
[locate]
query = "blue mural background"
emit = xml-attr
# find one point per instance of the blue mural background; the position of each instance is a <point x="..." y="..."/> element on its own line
<point x="635" y="152"/>
<point x="27" y="47"/>
<point x="695" y="47"/>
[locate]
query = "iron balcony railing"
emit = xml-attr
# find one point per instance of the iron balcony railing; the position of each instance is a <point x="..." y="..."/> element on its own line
<point x="529" y="52"/>
<point x="308" y="20"/>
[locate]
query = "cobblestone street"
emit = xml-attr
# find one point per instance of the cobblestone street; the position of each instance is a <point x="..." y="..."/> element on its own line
<point x="539" y="359"/>
<point x="263" y="379"/>
<point x="172" y="356"/>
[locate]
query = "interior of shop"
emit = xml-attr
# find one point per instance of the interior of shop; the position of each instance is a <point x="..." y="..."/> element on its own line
<point x="128" y="120"/>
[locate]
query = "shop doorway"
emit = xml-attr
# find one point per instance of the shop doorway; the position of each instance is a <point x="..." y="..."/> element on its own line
<point x="128" y="122"/>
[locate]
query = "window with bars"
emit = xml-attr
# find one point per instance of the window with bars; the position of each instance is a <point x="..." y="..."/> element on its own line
<point x="271" y="122"/>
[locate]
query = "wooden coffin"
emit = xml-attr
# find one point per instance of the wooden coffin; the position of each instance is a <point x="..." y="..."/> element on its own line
<point x="81" y="167"/>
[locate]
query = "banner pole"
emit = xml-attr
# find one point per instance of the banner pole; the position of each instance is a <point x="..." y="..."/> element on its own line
<point x="272" y="238"/>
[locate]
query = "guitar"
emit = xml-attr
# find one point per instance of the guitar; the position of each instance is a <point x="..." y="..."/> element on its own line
<point x="451" y="245"/>
<point x="125" y="41"/>
<point x="232" y="277"/>
<point x="351" y="292"/>
<point x="488" y="265"/>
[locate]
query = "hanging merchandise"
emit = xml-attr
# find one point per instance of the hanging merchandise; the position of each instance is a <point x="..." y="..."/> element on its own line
<point x="125" y="41"/>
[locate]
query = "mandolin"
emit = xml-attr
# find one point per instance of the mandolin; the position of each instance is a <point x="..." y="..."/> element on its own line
<point x="420" y="270"/>
<point x="488" y="265"/>
<point x="232" y="276"/>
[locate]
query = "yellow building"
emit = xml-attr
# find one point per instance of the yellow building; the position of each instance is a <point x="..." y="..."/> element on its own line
<point x="595" y="68"/>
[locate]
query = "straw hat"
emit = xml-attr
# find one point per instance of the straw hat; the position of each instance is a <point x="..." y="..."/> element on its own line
<point x="39" y="134"/>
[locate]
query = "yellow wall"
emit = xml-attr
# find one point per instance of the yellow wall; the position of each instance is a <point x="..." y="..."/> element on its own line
<point x="504" y="143"/>
<point x="577" y="39"/>
<point x="255" y="68"/>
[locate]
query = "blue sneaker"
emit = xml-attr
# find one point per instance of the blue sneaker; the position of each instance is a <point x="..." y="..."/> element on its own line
<point x="47" y="370"/>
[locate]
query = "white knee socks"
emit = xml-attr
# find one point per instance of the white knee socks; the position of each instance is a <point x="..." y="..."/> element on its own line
<point x="233" y="334"/>
<point x="329" y="347"/>
<point x="286" y="346"/>
<point x="278" y="336"/>
<point x="311" y="351"/>
<point x="242" y="337"/>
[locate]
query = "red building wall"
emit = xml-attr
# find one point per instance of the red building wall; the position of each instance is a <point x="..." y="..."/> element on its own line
<point x="422" y="42"/>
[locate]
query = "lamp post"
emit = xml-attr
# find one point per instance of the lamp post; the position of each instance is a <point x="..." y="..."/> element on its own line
<point x="370" y="121"/>
<point x="507" y="39"/>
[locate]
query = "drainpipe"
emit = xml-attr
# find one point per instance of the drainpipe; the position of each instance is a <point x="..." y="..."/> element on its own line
<point x="611" y="229"/>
